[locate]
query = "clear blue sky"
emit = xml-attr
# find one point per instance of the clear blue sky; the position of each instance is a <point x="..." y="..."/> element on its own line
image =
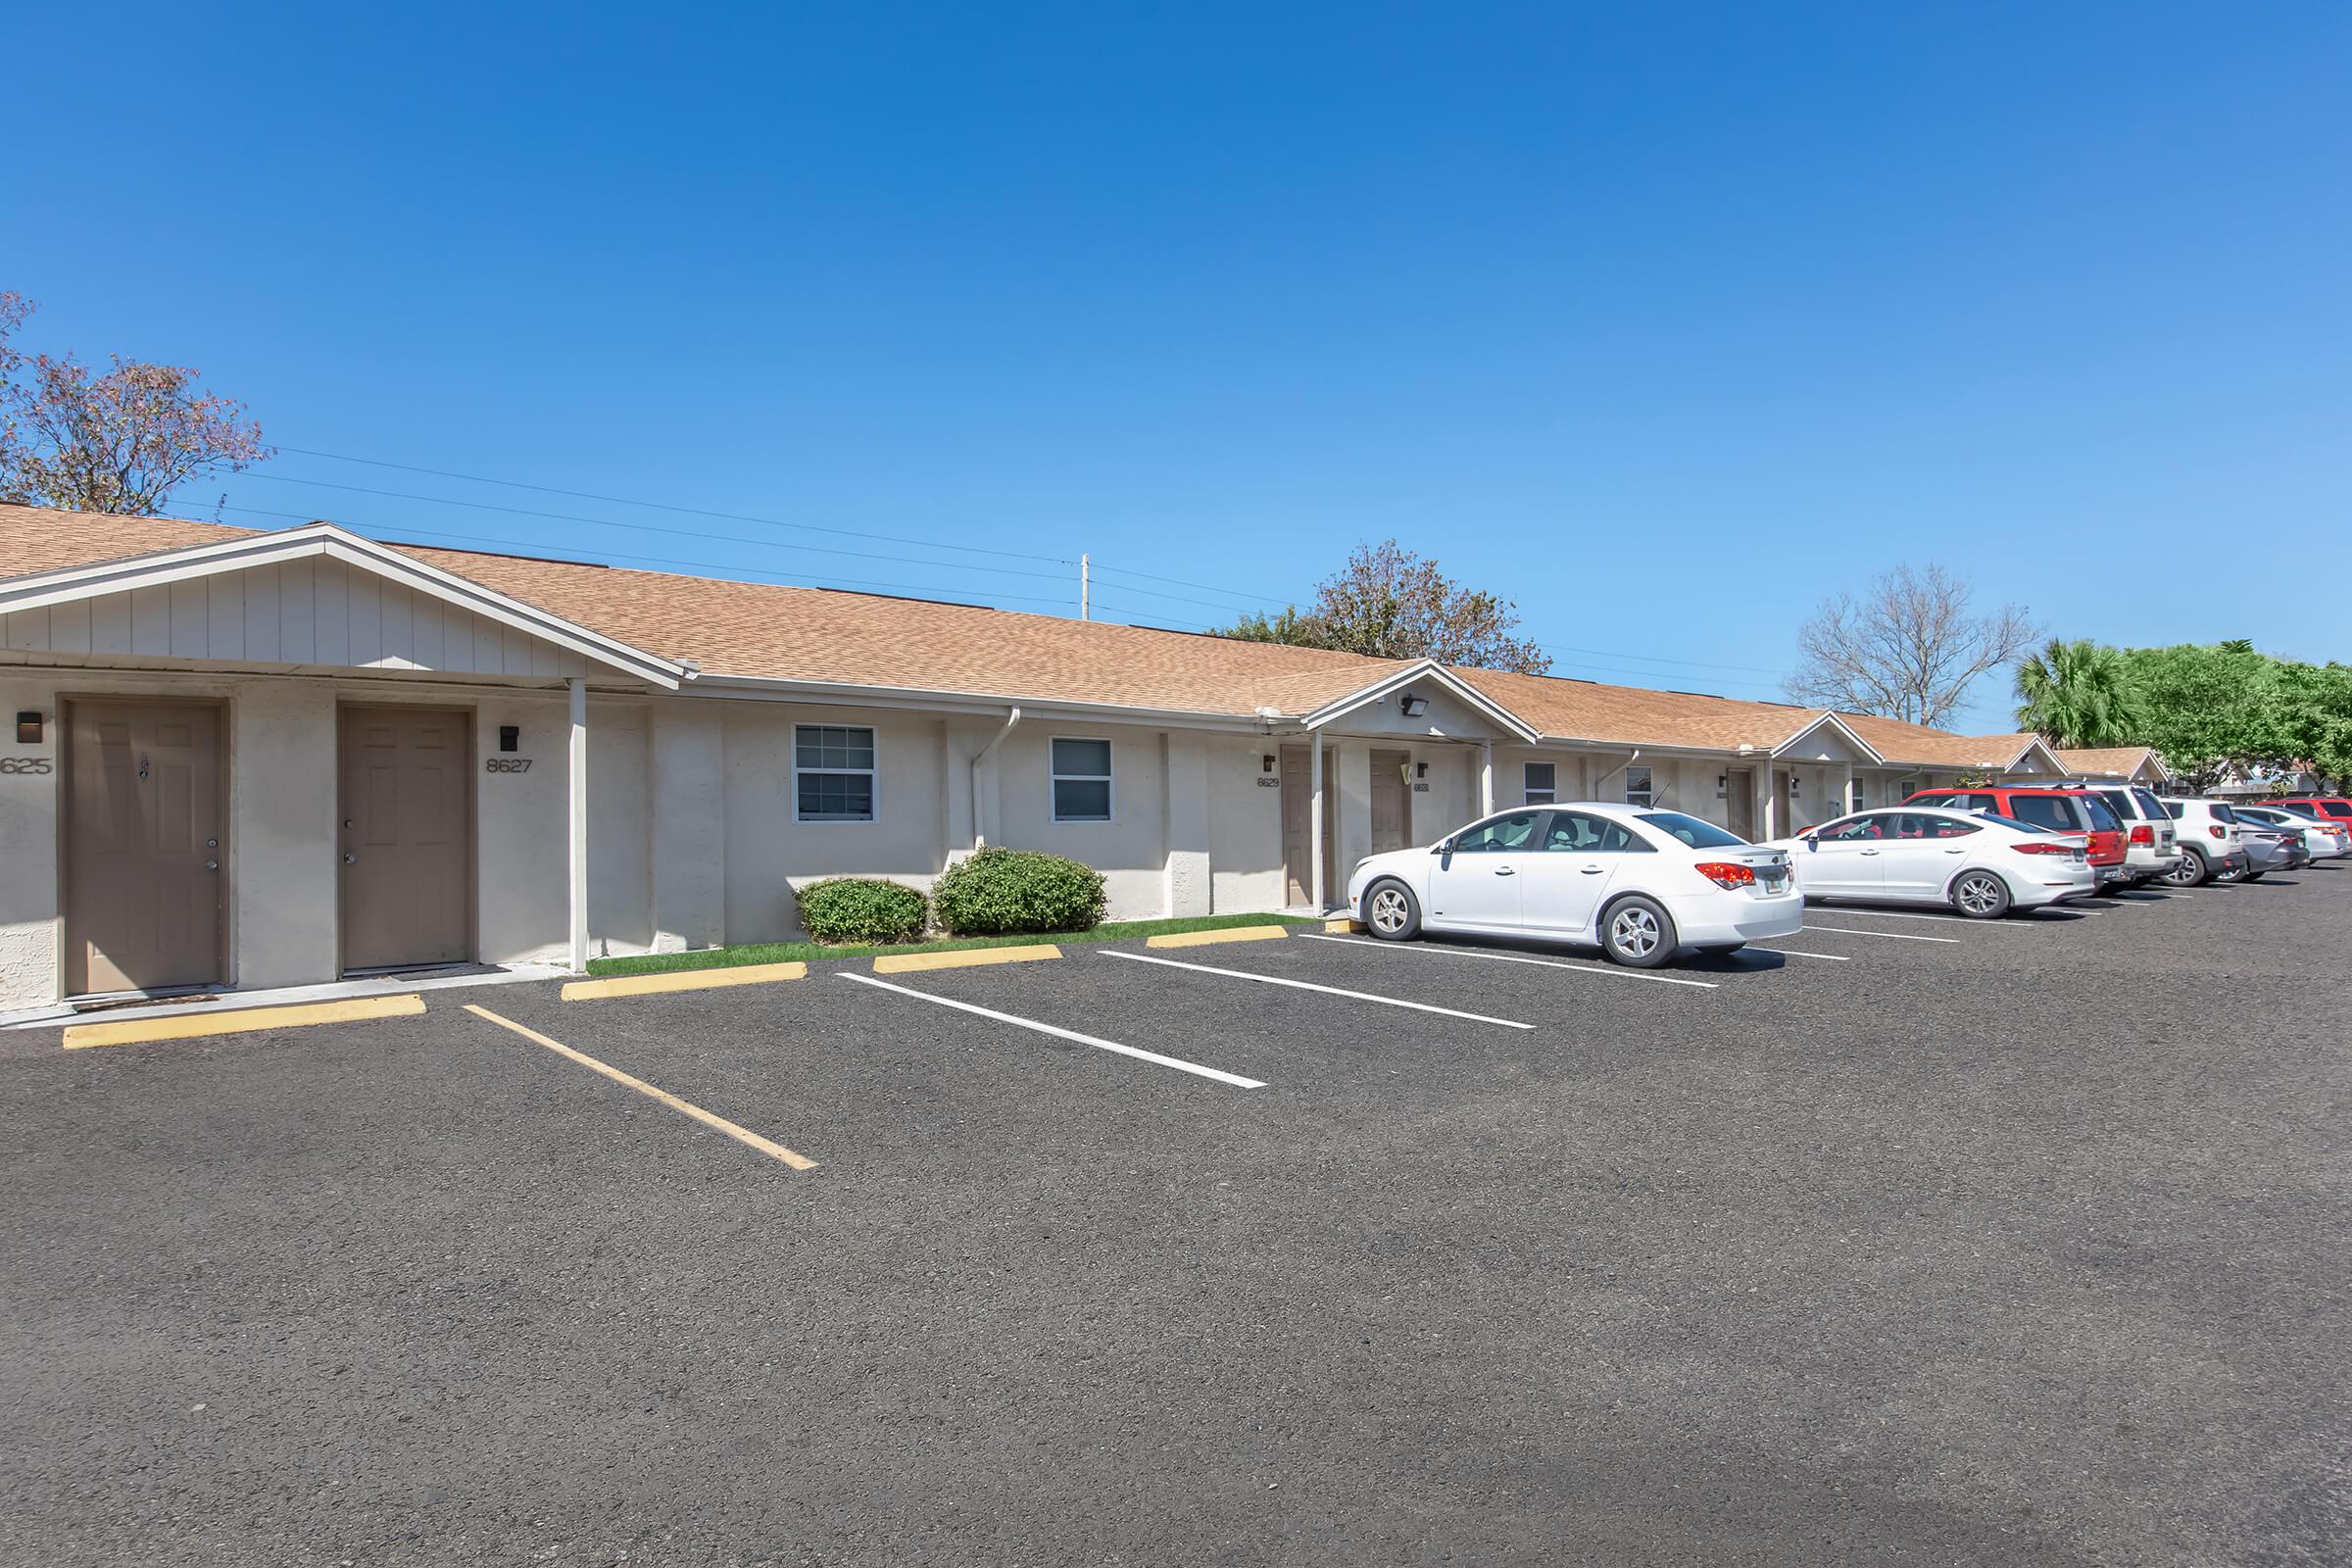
<point x="1666" y="322"/>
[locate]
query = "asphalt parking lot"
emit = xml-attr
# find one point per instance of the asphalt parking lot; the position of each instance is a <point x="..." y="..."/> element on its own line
<point x="1912" y="1241"/>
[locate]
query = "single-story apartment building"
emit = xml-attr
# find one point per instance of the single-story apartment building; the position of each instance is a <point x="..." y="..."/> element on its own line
<point x="255" y="759"/>
<point x="2125" y="765"/>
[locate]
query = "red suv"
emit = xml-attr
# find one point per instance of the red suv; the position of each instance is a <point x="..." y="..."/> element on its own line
<point x="2045" y="805"/>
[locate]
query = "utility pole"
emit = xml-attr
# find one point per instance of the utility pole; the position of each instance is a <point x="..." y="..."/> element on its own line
<point x="1086" y="588"/>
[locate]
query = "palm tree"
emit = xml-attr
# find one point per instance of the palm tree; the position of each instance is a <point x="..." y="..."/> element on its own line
<point x="2076" y="694"/>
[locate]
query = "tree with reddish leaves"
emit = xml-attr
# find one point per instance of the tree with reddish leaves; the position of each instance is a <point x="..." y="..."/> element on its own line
<point x="1391" y="604"/>
<point x="118" y="440"/>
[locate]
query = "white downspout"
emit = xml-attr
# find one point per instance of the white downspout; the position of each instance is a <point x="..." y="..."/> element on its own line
<point x="1012" y="717"/>
<point x="578" y="823"/>
<point x="1632" y="757"/>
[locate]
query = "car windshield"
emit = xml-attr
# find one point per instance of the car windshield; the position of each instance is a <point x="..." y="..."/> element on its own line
<point x="1691" y="831"/>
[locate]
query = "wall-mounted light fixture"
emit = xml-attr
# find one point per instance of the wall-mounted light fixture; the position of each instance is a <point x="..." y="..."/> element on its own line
<point x="1723" y="781"/>
<point x="1414" y="707"/>
<point x="28" y="727"/>
<point x="1404" y="772"/>
<point x="509" y="737"/>
<point x="1265" y="764"/>
<point x="1421" y="769"/>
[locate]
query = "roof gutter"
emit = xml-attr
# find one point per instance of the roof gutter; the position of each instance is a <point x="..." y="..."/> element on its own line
<point x="1012" y="717"/>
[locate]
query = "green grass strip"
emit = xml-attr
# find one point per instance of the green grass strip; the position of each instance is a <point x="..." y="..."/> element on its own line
<point x="788" y="952"/>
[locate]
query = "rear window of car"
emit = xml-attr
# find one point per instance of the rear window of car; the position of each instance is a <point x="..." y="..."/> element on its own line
<point x="2150" y="805"/>
<point x="2120" y="801"/>
<point x="2221" y="813"/>
<point x="2102" y="819"/>
<point x="2054" y="812"/>
<point x="1691" y="831"/>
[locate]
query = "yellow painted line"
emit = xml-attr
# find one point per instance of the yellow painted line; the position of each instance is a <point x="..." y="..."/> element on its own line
<point x="640" y="985"/>
<point x="244" y="1020"/>
<point x="1340" y="926"/>
<point x="741" y="1135"/>
<point x="904" y="962"/>
<point x="1202" y="939"/>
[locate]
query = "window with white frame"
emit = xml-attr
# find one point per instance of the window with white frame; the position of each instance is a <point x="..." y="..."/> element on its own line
<point x="1081" y="780"/>
<point x="1542" y="787"/>
<point x="832" y="773"/>
<point x="1638" y="787"/>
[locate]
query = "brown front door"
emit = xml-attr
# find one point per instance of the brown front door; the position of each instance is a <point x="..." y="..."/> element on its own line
<point x="1298" y="813"/>
<point x="407" y="839"/>
<point x="144" y="863"/>
<point x="1740" y="800"/>
<point x="1392" y="801"/>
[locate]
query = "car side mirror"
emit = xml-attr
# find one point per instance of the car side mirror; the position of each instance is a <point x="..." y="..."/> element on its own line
<point x="1812" y="841"/>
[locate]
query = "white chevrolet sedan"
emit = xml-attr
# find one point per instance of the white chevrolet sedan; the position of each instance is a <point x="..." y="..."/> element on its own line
<point x="1639" y="882"/>
<point x="1977" y="863"/>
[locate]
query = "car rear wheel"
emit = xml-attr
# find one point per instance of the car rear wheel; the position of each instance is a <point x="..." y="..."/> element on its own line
<point x="1391" y="912"/>
<point x="1639" y="933"/>
<point x="2191" y="871"/>
<point x="1980" y="896"/>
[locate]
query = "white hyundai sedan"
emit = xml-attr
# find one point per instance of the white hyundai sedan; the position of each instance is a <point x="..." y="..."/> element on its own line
<point x="1977" y="863"/>
<point x="1639" y="882"/>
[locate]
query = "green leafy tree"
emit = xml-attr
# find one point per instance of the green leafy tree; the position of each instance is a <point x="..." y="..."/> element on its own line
<point x="2212" y="710"/>
<point x="1391" y="604"/>
<point x="2078" y="693"/>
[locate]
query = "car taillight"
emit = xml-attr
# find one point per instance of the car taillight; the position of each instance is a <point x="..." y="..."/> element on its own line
<point x="2218" y="832"/>
<point x="1726" y="873"/>
<point x="2043" y="846"/>
<point x="2143" y="834"/>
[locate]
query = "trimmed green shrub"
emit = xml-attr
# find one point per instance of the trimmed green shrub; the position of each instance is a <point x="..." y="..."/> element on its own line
<point x="863" y="909"/>
<point x="1017" y="889"/>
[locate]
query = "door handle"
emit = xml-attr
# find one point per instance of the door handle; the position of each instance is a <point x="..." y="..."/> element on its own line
<point x="1870" y="852"/>
<point x="1590" y="870"/>
<point x="211" y="866"/>
<point x="1505" y="871"/>
<point x="1955" y="852"/>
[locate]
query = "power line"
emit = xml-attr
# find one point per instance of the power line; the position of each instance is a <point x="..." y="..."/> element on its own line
<point x="658" y="529"/>
<point x="1653" y="658"/>
<point x="373" y="530"/>
<point x="659" y="506"/>
<point x="1204" y="587"/>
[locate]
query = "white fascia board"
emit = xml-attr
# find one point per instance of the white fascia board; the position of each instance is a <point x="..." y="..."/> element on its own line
<point x="844" y="694"/>
<point x="1869" y="752"/>
<point x="73" y="583"/>
<point x="1424" y="669"/>
<point x="2056" y="766"/>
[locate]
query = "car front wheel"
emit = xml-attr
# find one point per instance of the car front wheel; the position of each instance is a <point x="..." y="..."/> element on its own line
<point x="1639" y="933"/>
<point x="1980" y="896"/>
<point x="2189" y="872"/>
<point x="1391" y="912"/>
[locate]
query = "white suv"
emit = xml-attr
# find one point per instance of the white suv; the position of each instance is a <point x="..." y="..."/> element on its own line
<point x="2211" y="844"/>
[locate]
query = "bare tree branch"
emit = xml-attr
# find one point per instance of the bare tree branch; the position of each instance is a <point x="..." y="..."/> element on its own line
<point x="1908" y="648"/>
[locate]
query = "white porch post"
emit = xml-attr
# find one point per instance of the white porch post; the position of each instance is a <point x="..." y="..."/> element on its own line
<point x="578" y="823"/>
<point x="1314" y="818"/>
<point x="1485" y="778"/>
<point x="1845" y="793"/>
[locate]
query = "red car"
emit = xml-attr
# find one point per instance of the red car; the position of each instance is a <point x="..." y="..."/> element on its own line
<point x="2046" y="805"/>
<point x="2327" y="808"/>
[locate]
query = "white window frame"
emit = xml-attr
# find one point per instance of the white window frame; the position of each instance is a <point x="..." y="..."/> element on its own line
<point x="1528" y="793"/>
<point x="1647" y="797"/>
<point x="873" y="777"/>
<point x="1108" y="780"/>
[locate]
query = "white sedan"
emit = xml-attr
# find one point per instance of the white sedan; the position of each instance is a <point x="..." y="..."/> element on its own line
<point x="1975" y="861"/>
<point x="1639" y="882"/>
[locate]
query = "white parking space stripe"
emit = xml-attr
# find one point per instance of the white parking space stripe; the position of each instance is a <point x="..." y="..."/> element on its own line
<point x="1329" y="990"/>
<point x="1153" y="1056"/>
<point x="1843" y="910"/>
<point x="1517" y="958"/>
<point x="1794" y="952"/>
<point x="1891" y="936"/>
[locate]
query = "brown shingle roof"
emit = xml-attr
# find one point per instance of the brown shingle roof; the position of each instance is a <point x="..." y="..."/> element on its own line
<point x="2106" y="762"/>
<point x="814" y="634"/>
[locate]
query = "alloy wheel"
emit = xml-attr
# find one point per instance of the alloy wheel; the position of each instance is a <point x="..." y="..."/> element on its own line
<point x="1977" y="895"/>
<point x="1634" y="932"/>
<point x="1390" y="911"/>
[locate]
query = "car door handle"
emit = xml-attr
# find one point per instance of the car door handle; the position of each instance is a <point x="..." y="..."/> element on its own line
<point x="1955" y="852"/>
<point x="1591" y="870"/>
<point x="1505" y="871"/>
<point x="1870" y="852"/>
